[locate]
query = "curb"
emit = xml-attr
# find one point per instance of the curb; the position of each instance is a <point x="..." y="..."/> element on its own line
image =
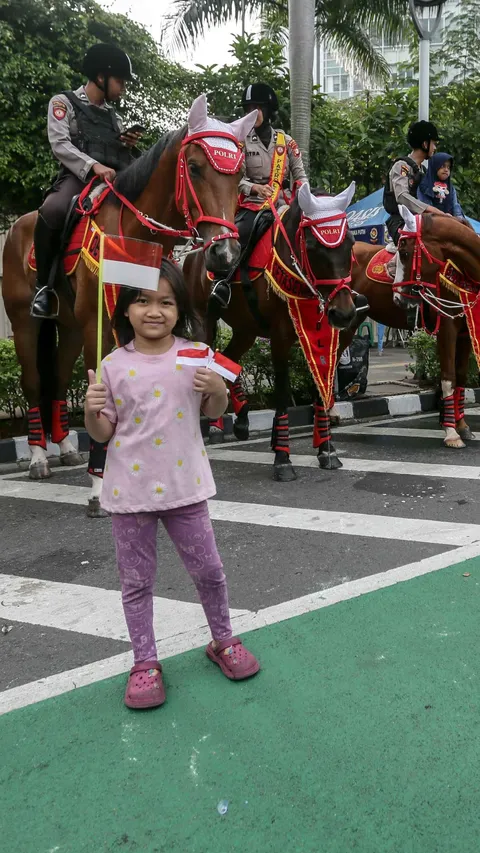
<point x="16" y="449"/>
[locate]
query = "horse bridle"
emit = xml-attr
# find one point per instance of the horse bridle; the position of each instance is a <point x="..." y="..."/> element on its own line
<point x="302" y="267"/>
<point x="421" y="289"/>
<point x="183" y="186"/>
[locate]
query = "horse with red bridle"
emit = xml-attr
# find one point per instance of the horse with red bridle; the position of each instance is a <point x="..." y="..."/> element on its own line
<point x="184" y="188"/>
<point x="438" y="278"/>
<point x="300" y="291"/>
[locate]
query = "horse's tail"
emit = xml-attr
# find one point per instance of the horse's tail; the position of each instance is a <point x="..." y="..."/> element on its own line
<point x="47" y="369"/>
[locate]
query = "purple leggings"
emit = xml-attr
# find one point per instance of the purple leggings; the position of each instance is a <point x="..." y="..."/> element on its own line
<point x="190" y="530"/>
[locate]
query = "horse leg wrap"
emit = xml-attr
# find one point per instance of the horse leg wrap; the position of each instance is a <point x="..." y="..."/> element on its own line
<point x="238" y="397"/>
<point x="96" y="459"/>
<point x="36" y="435"/>
<point x="280" y="434"/>
<point x="449" y="412"/>
<point x="59" y="421"/>
<point x="321" y="425"/>
<point x="459" y="395"/>
<point x="218" y="424"/>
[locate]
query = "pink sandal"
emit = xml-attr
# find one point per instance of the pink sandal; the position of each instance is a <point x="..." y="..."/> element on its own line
<point x="145" y="686"/>
<point x="235" y="661"/>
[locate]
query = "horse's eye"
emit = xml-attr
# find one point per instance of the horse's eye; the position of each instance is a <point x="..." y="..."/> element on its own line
<point x="194" y="169"/>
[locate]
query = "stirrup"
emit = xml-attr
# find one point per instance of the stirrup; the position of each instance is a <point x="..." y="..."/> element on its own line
<point x="46" y="315"/>
<point x="219" y="285"/>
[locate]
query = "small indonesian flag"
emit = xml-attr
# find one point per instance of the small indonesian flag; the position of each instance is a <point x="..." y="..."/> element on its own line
<point x="204" y="357"/>
<point x="131" y="263"/>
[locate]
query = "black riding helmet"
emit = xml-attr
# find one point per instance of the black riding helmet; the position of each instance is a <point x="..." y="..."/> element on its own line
<point x="260" y="95"/>
<point x="109" y="60"/>
<point x="420" y="132"/>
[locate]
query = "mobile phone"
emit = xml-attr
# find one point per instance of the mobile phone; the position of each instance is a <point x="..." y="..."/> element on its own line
<point x="135" y="128"/>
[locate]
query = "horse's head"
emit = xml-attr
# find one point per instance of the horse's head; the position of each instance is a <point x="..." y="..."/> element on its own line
<point x="419" y="259"/>
<point x="208" y="173"/>
<point x="326" y="246"/>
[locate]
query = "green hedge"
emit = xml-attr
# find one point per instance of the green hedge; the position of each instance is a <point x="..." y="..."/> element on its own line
<point x="426" y="367"/>
<point x="11" y="394"/>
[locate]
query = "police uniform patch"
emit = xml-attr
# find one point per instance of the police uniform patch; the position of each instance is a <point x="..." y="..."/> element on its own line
<point x="59" y="110"/>
<point x="280" y="149"/>
<point x="404" y="171"/>
<point x="294" y="148"/>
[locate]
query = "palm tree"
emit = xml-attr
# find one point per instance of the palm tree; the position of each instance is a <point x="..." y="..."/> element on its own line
<point x="301" y="29"/>
<point x="344" y="24"/>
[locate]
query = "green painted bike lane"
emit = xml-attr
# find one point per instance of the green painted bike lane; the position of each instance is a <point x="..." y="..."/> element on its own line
<point x="361" y="733"/>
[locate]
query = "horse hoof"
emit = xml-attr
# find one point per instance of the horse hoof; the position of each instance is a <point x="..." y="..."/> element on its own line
<point x="216" y="436"/>
<point x="284" y="473"/>
<point x="466" y="434"/>
<point x="241" y="431"/>
<point x="39" y="471"/>
<point x="70" y="459"/>
<point x="454" y="443"/>
<point x="94" y="509"/>
<point x="329" y="461"/>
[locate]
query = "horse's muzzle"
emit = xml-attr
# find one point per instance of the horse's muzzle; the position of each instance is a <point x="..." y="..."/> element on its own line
<point x="222" y="256"/>
<point x="341" y="319"/>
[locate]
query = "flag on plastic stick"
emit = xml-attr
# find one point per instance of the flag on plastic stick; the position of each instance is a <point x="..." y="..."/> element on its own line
<point x="131" y="263"/>
<point x="125" y="262"/>
<point x="205" y="357"/>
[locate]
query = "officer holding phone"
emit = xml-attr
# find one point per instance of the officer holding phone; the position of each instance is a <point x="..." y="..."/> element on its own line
<point x="87" y="138"/>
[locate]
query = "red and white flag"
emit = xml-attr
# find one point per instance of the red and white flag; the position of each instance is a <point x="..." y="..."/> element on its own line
<point x="205" y="357"/>
<point x="130" y="263"/>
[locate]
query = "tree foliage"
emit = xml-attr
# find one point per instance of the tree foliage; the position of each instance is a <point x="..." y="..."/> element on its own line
<point x="42" y="44"/>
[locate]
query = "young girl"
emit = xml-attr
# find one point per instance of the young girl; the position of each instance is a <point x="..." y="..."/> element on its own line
<point x="148" y="408"/>
<point x="436" y="188"/>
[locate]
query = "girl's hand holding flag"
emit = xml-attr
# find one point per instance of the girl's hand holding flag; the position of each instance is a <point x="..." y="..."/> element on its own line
<point x="214" y="391"/>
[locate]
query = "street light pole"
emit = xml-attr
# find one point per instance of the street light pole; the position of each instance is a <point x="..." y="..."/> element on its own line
<point x="425" y="35"/>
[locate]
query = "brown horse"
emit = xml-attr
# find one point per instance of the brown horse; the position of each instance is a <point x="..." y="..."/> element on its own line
<point x="428" y="244"/>
<point x="189" y="181"/>
<point x="263" y="313"/>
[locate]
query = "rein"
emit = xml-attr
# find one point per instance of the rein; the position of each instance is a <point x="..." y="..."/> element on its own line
<point x="303" y="266"/>
<point x="183" y="186"/>
<point x="423" y="289"/>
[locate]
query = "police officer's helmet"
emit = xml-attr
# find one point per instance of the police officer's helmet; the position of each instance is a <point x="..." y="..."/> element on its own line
<point x="109" y="60"/>
<point x="420" y="132"/>
<point x="260" y="95"/>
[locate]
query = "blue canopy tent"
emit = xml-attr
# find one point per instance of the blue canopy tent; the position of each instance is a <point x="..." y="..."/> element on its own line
<point x="367" y="219"/>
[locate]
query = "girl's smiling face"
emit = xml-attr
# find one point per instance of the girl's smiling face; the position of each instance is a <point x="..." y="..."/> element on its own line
<point x="443" y="173"/>
<point x="154" y="314"/>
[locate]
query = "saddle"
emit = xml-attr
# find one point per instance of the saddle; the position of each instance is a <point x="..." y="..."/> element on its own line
<point x="79" y="237"/>
<point x="377" y="267"/>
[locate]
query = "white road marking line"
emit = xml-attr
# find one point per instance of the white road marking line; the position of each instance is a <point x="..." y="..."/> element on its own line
<point x="54" y="685"/>
<point x="87" y="609"/>
<point x="317" y="521"/>
<point x="393" y="431"/>
<point x="375" y="466"/>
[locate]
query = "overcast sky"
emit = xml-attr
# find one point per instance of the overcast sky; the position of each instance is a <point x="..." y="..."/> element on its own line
<point x="150" y="13"/>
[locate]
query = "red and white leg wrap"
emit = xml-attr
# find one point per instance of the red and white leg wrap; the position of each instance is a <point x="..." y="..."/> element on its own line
<point x="449" y="412"/>
<point x="36" y="434"/>
<point x="238" y="396"/>
<point x="459" y="395"/>
<point x="281" y="433"/>
<point x="59" y="421"/>
<point x="321" y="425"/>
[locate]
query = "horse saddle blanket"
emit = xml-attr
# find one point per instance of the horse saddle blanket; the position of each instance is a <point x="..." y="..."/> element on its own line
<point x="377" y="267"/>
<point x="84" y="242"/>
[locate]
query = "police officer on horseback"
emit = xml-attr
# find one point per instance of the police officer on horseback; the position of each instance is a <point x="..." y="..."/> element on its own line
<point x="273" y="167"/>
<point x="405" y="176"/>
<point x="86" y="136"/>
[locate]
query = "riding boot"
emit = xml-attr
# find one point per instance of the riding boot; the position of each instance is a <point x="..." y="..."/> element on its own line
<point x="45" y="302"/>
<point x="221" y="293"/>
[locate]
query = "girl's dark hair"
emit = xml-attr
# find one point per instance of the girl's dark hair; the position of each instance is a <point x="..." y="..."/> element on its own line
<point x="189" y="324"/>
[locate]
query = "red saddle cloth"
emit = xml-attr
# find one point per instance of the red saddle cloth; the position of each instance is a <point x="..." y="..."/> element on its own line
<point x="259" y="258"/>
<point x="376" y="269"/>
<point x="80" y="236"/>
